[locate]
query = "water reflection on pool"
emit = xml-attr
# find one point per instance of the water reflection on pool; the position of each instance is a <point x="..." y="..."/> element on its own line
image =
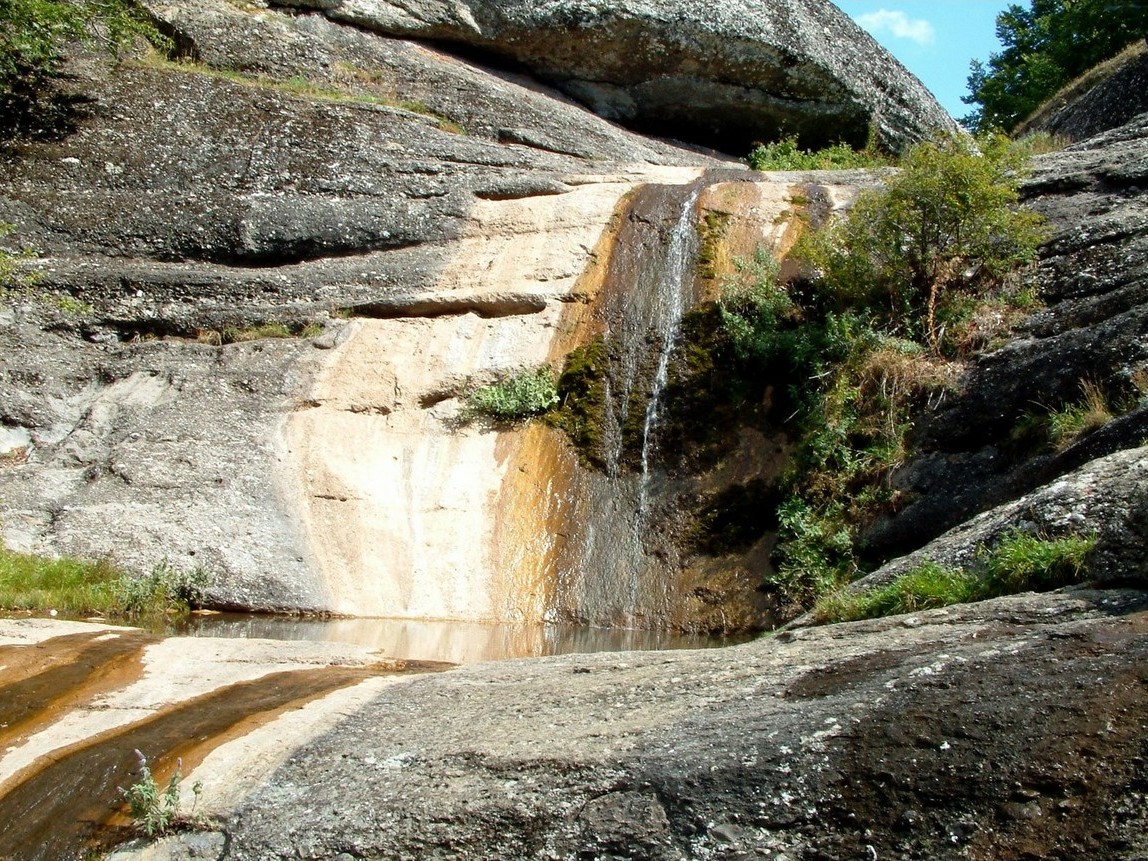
<point x="456" y="642"/>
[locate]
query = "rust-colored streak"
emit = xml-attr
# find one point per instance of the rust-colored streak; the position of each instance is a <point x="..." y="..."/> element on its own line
<point x="56" y="807"/>
<point x="42" y="681"/>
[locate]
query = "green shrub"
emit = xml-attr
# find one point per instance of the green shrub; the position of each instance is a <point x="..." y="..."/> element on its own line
<point x="162" y="589"/>
<point x="516" y="397"/>
<point x="815" y="550"/>
<point x="785" y="154"/>
<point x="947" y="223"/>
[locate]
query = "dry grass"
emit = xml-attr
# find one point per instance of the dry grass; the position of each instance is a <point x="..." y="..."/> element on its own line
<point x="1076" y="88"/>
<point x="1078" y="420"/>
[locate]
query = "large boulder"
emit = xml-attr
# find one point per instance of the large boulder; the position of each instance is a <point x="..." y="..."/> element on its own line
<point x="1010" y="729"/>
<point x="724" y="73"/>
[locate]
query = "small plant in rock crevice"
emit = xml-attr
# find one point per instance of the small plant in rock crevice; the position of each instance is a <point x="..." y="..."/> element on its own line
<point x="155" y="810"/>
<point x="515" y="397"/>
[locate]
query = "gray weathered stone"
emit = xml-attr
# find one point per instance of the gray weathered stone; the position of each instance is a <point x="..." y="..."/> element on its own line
<point x="723" y="73"/>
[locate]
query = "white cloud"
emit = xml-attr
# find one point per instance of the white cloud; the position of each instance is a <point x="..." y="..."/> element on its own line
<point x="900" y="25"/>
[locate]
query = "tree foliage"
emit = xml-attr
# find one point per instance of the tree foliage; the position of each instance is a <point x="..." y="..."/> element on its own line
<point x="1046" y="46"/>
<point x="33" y="36"/>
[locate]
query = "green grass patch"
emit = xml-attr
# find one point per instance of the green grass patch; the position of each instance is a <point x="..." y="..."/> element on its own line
<point x="360" y="91"/>
<point x="1019" y="562"/>
<point x="924" y="588"/>
<point x="77" y="588"/>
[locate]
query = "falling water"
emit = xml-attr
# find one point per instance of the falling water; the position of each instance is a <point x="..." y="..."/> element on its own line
<point x="615" y="561"/>
<point x="680" y="256"/>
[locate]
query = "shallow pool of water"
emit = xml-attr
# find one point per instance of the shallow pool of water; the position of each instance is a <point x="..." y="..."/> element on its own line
<point x="456" y="642"/>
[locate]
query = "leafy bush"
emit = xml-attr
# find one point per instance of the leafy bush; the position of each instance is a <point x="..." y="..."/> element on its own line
<point x="33" y="34"/>
<point x="947" y="225"/>
<point x="161" y="589"/>
<point x="786" y="155"/>
<point x="516" y="397"/>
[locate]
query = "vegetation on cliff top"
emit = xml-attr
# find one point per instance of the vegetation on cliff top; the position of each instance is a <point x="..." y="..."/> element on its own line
<point x="1046" y="46"/>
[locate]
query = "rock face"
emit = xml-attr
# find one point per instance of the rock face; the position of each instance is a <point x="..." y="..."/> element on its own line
<point x="192" y="208"/>
<point x="724" y="74"/>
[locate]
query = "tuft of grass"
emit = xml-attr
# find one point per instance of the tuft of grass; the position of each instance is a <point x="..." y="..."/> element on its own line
<point x="1018" y="562"/>
<point x="1022" y="562"/>
<point x="16" y="272"/>
<point x="257" y="332"/>
<point x="76" y="587"/>
<point x="1040" y="143"/>
<point x="1078" y="420"/>
<point x="785" y="154"/>
<point x="516" y="397"/>
<point x="926" y="587"/>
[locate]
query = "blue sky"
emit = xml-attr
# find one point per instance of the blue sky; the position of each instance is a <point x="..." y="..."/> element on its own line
<point x="934" y="39"/>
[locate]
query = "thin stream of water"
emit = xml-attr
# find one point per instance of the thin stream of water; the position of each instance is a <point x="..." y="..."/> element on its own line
<point x="680" y="256"/>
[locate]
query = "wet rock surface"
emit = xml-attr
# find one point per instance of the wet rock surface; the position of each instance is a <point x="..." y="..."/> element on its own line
<point x="723" y="74"/>
<point x="1005" y="730"/>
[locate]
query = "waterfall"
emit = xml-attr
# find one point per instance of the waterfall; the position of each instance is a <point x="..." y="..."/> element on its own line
<point x="680" y="256"/>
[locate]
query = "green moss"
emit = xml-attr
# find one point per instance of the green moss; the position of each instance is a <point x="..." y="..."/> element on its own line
<point x="711" y="234"/>
<point x="581" y="408"/>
